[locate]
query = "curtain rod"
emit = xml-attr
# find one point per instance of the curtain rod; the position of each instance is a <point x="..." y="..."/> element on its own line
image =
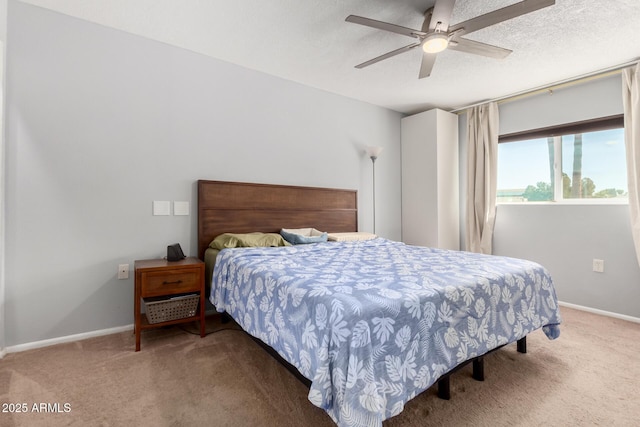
<point x="557" y="85"/>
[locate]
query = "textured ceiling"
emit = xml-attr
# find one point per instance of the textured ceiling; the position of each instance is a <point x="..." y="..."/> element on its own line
<point x="308" y="41"/>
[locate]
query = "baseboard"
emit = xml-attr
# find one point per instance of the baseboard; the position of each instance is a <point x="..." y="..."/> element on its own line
<point x="68" y="338"/>
<point x="600" y="312"/>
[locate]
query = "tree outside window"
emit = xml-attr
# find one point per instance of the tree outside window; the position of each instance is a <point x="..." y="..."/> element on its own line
<point x="575" y="162"/>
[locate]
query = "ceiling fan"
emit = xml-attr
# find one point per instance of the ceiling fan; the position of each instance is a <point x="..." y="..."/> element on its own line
<point x="437" y="35"/>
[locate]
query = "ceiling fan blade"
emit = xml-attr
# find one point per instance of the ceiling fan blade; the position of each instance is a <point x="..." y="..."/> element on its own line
<point x="500" y="15"/>
<point x="428" y="59"/>
<point x="388" y="55"/>
<point x="442" y="11"/>
<point x="384" y="26"/>
<point x="427" y="20"/>
<point x="477" y="48"/>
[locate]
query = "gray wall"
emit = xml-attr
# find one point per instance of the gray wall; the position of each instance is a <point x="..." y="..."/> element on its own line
<point x="3" y="39"/>
<point x="100" y="123"/>
<point x="566" y="238"/>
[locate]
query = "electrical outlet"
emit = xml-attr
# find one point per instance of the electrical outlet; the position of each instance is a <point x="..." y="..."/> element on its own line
<point x="598" y="265"/>
<point x="123" y="271"/>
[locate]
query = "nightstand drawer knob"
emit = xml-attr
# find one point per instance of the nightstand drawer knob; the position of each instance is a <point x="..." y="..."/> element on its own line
<point x="176" y="282"/>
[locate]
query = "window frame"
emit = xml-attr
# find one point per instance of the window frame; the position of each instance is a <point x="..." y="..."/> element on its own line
<point x="557" y="132"/>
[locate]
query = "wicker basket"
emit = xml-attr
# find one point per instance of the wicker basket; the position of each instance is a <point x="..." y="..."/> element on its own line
<point x="164" y="309"/>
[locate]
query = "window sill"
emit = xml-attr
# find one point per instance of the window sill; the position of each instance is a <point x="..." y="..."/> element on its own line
<point x="588" y="202"/>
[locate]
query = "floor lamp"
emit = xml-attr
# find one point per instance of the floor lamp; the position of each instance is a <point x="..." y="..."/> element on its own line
<point x="373" y="153"/>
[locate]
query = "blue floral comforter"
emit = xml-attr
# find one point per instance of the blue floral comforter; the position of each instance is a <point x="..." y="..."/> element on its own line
<point x="374" y="323"/>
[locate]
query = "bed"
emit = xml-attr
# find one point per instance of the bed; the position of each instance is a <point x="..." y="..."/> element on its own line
<point x="369" y="323"/>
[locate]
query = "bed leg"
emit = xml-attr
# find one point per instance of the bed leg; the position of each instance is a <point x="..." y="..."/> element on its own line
<point x="478" y="369"/>
<point x="444" y="388"/>
<point x="522" y="345"/>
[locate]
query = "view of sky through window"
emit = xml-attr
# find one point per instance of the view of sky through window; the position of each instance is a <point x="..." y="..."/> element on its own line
<point x="599" y="162"/>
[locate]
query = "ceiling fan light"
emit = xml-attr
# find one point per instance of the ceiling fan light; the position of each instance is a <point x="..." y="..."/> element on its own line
<point x="436" y="42"/>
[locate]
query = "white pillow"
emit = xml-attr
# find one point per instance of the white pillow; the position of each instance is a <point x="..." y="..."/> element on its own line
<point x="351" y="236"/>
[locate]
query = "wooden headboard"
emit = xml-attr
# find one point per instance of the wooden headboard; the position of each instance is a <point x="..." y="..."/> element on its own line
<point x="238" y="207"/>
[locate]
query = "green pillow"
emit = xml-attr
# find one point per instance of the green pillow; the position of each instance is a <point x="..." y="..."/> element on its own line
<point x="247" y="240"/>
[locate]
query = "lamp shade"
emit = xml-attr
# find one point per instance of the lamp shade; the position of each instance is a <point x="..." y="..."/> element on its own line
<point x="436" y="42"/>
<point x="374" y="152"/>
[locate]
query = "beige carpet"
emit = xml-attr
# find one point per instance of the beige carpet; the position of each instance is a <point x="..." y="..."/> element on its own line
<point x="588" y="377"/>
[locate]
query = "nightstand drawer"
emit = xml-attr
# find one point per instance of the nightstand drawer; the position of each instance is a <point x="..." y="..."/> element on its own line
<point x="169" y="282"/>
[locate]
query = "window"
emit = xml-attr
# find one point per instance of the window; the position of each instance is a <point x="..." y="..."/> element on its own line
<point x="580" y="161"/>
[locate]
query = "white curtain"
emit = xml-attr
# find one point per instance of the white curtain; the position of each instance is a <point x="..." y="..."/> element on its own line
<point x="631" y="102"/>
<point x="482" y="165"/>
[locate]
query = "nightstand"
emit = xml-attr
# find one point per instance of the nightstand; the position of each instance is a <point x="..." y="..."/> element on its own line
<point x="161" y="278"/>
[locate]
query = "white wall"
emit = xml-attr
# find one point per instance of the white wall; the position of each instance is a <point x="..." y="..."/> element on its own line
<point x="100" y="123"/>
<point x="3" y="39"/>
<point x="566" y="238"/>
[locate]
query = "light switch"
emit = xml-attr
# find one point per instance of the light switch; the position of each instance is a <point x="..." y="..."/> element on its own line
<point x="162" y="208"/>
<point x="181" y="208"/>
